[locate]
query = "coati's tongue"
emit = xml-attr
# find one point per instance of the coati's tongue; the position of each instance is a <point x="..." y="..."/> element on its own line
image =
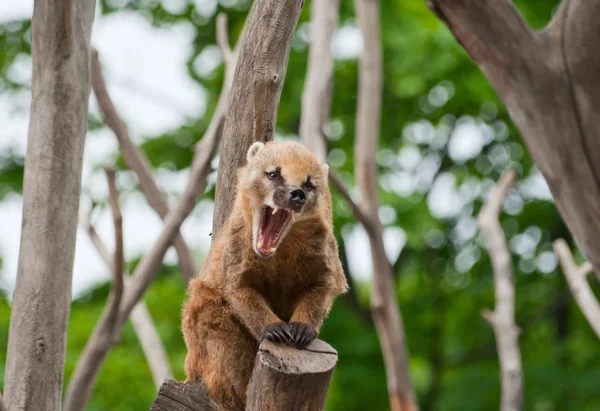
<point x="271" y="228"/>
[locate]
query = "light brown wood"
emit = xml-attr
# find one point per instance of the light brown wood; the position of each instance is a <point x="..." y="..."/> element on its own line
<point x="502" y="319"/>
<point x="61" y="53"/>
<point x="285" y="378"/>
<point x="259" y="78"/>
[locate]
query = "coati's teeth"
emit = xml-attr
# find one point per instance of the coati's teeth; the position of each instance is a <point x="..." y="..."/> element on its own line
<point x="259" y="245"/>
<point x="272" y="249"/>
<point x="275" y="209"/>
<point x="293" y="216"/>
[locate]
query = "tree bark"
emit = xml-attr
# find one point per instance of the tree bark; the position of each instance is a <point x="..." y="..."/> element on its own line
<point x="502" y="319"/>
<point x="548" y="81"/>
<point x="61" y="54"/>
<point x="285" y="378"/>
<point x="256" y="91"/>
<point x="384" y="307"/>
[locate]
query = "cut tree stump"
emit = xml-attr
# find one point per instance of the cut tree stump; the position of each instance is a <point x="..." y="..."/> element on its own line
<point x="284" y="378"/>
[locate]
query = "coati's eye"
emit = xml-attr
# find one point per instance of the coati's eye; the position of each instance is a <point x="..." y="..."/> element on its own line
<point x="273" y="175"/>
<point x="308" y="186"/>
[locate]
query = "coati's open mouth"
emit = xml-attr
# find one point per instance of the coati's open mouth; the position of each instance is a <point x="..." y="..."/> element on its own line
<point x="273" y="223"/>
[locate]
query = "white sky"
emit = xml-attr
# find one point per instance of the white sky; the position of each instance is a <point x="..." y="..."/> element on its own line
<point x="139" y="59"/>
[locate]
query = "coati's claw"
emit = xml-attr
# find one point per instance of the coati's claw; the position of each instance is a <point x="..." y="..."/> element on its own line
<point x="277" y="333"/>
<point x="302" y="334"/>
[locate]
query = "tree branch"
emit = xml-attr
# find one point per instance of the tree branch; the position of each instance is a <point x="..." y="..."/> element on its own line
<point x="118" y="263"/>
<point x="384" y="307"/>
<point x="107" y="330"/>
<point x="316" y="98"/>
<point x="2" y="407"/>
<point x="358" y="213"/>
<point x="256" y="91"/>
<point x="502" y="318"/>
<point x="137" y="161"/>
<point x="223" y="39"/>
<point x="493" y="33"/>
<point x="580" y="289"/>
<point x="142" y="322"/>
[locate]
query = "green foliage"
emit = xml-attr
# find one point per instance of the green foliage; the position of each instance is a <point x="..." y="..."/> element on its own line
<point x="443" y="275"/>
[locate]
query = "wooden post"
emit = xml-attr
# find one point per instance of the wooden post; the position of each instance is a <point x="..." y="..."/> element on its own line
<point x="284" y="378"/>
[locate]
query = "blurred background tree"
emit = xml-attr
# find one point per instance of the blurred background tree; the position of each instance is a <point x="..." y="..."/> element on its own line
<point x="445" y="139"/>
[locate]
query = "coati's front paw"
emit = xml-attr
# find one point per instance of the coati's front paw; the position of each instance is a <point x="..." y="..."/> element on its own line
<point x="302" y="334"/>
<point x="277" y="333"/>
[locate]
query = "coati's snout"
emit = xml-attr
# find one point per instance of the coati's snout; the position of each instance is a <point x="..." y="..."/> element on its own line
<point x="297" y="199"/>
<point x="281" y="182"/>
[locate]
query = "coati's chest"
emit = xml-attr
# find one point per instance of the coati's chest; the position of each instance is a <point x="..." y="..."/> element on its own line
<point x="283" y="284"/>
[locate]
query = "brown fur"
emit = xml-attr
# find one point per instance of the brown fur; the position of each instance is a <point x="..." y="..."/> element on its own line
<point x="238" y="293"/>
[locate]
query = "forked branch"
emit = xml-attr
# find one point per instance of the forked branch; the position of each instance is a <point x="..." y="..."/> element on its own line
<point x="142" y="322"/>
<point x="502" y="318"/>
<point x="580" y="289"/>
<point x="137" y="161"/>
<point x="108" y="327"/>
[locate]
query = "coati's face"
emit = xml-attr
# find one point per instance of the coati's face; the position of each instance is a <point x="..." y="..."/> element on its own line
<point x="284" y="183"/>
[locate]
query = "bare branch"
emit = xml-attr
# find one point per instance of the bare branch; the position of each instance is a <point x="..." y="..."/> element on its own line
<point x="223" y="38"/>
<point x="580" y="289"/>
<point x="384" y="307"/>
<point x="339" y="185"/>
<point x="502" y="318"/>
<point x="137" y="161"/>
<point x="118" y="263"/>
<point x="259" y="78"/>
<point x="107" y="329"/>
<point x="142" y="322"/>
<point x="149" y="339"/>
<point x="316" y="98"/>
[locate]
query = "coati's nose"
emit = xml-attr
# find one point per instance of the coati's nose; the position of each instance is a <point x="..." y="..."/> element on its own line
<point x="297" y="197"/>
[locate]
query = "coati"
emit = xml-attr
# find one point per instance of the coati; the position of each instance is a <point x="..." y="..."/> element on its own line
<point x="272" y="273"/>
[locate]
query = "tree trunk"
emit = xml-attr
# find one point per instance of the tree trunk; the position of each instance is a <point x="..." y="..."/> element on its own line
<point x="61" y="54"/>
<point x="285" y="378"/>
<point x="256" y="91"/>
<point x="549" y="82"/>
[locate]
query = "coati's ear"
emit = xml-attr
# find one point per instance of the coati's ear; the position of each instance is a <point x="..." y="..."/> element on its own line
<point x="326" y="168"/>
<point x="254" y="148"/>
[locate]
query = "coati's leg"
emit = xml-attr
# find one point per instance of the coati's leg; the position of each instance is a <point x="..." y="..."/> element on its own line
<point x="221" y="351"/>
<point x="308" y="316"/>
